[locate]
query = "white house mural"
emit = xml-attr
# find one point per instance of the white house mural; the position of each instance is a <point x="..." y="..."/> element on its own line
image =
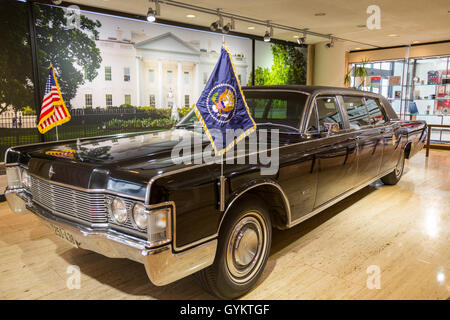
<point x="143" y="68"/>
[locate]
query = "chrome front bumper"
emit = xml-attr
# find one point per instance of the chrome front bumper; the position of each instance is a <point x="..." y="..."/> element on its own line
<point x="163" y="266"/>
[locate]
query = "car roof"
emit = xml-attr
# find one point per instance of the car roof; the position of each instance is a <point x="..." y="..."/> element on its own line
<point x="314" y="90"/>
<point x="310" y="89"/>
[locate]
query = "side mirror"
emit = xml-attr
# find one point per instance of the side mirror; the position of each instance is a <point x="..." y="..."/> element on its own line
<point x="332" y="127"/>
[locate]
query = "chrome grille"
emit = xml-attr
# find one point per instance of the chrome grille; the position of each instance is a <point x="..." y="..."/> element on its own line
<point x="89" y="207"/>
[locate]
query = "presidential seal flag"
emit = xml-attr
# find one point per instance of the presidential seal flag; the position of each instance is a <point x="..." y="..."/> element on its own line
<point x="53" y="110"/>
<point x="222" y="108"/>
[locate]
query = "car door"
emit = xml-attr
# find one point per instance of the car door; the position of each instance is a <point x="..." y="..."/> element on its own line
<point x="390" y="131"/>
<point x="370" y="139"/>
<point x="336" y="151"/>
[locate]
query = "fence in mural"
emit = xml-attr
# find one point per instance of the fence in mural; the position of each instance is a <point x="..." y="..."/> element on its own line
<point x="17" y="129"/>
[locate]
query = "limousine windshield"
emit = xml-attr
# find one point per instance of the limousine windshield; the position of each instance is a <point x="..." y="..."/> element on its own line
<point x="282" y="109"/>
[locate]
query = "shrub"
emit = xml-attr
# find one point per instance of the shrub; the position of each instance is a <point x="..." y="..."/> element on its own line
<point x="27" y="111"/>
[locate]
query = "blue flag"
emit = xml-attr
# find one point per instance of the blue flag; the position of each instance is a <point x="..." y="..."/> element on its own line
<point x="222" y="107"/>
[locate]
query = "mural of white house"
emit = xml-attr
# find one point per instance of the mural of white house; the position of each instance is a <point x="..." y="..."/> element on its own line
<point x="161" y="71"/>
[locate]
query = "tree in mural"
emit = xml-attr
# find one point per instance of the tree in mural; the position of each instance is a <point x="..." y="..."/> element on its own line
<point x="289" y="67"/>
<point x="16" y="89"/>
<point x="63" y="47"/>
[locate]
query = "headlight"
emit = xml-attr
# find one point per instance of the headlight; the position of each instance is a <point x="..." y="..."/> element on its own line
<point x="26" y="179"/>
<point x="13" y="177"/>
<point x="140" y="216"/>
<point x="119" y="210"/>
<point x="158" y="222"/>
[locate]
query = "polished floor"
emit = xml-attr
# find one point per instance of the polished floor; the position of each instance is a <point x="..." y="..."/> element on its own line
<point x="400" y="233"/>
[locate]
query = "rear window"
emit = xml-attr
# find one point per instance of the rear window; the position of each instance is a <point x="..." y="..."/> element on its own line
<point x="375" y="111"/>
<point x="356" y="111"/>
<point x="284" y="108"/>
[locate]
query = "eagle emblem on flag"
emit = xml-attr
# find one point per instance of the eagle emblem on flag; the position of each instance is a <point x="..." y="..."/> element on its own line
<point x="222" y="108"/>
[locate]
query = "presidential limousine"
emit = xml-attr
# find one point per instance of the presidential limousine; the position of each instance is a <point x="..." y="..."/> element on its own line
<point x="123" y="195"/>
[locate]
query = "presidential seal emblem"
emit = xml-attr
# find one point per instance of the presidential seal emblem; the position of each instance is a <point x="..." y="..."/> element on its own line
<point x="221" y="103"/>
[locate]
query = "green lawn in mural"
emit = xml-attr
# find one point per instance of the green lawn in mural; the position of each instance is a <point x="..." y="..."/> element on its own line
<point x="289" y="67"/>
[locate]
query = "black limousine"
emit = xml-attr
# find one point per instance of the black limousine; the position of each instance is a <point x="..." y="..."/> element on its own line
<point x="123" y="196"/>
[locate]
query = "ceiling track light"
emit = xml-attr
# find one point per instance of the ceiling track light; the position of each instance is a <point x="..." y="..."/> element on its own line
<point x="153" y="13"/>
<point x="229" y="26"/>
<point x="269" y="33"/>
<point x="301" y="40"/>
<point x="216" y="25"/>
<point x="331" y="43"/>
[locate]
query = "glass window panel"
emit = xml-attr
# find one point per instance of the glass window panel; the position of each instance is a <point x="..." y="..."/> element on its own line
<point x="328" y="112"/>
<point x="126" y="74"/>
<point x="151" y="76"/>
<point x="356" y="111"/>
<point x="108" y="75"/>
<point x="276" y="107"/>
<point x="128" y="99"/>
<point x="375" y="114"/>
<point x="109" y="100"/>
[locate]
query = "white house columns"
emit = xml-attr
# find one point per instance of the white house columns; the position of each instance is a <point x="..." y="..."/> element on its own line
<point x="180" y="82"/>
<point x="160" y="85"/>
<point x="138" y="81"/>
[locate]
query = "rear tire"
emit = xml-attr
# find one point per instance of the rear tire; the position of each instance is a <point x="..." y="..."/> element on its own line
<point x="244" y="244"/>
<point x="395" y="176"/>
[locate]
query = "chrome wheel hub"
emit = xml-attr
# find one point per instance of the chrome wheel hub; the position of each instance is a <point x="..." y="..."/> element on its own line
<point x="246" y="247"/>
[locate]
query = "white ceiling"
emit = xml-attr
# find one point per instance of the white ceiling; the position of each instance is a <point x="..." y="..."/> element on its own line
<point x="402" y="21"/>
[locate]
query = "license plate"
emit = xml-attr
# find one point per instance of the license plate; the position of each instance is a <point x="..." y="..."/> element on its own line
<point x="65" y="235"/>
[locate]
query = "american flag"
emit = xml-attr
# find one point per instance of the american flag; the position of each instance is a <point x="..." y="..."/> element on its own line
<point x="53" y="109"/>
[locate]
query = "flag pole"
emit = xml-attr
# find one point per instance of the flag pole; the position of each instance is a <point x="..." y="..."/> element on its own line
<point x="57" y="138"/>
<point x="222" y="177"/>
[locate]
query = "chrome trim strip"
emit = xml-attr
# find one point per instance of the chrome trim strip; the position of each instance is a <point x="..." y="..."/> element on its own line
<point x="337" y="199"/>
<point x="119" y="194"/>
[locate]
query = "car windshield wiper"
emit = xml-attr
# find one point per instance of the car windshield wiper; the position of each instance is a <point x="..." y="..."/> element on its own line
<point x="277" y="125"/>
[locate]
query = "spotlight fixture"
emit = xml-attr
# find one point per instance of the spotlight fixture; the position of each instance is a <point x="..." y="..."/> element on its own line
<point x="331" y="43"/>
<point x="57" y="2"/>
<point x="269" y="33"/>
<point x="301" y="40"/>
<point x="229" y="26"/>
<point x="153" y="13"/>
<point x="216" y="25"/>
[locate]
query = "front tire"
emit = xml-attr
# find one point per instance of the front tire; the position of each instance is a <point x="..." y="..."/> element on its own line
<point x="244" y="244"/>
<point x="394" y="177"/>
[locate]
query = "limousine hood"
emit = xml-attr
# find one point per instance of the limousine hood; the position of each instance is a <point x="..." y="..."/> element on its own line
<point x="125" y="162"/>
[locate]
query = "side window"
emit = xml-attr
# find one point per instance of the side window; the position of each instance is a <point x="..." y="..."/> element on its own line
<point x="313" y="125"/>
<point x="356" y="111"/>
<point x="376" y="115"/>
<point x="328" y="112"/>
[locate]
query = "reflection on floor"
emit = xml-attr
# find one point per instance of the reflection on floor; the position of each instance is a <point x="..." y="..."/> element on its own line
<point x="401" y="231"/>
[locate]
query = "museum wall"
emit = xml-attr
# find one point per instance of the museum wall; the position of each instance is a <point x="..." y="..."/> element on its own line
<point x="329" y="64"/>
